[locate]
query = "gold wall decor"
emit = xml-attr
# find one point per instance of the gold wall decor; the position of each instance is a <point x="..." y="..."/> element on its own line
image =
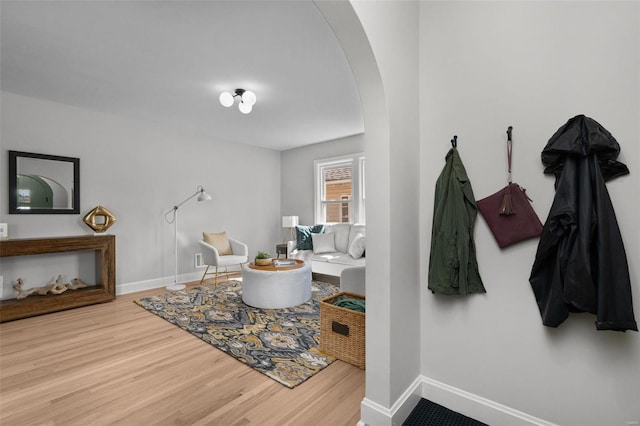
<point x="96" y="224"/>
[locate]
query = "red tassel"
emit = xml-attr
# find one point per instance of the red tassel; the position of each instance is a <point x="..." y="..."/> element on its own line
<point x="506" y="208"/>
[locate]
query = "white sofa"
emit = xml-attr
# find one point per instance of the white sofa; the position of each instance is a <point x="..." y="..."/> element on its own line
<point x="333" y="262"/>
<point x="353" y="280"/>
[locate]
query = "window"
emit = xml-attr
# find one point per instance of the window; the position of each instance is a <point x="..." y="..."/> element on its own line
<point x="339" y="194"/>
<point x="344" y="213"/>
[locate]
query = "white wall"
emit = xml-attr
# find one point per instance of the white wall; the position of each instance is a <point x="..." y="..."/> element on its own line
<point x="533" y="65"/>
<point x="392" y="30"/>
<point x="138" y="172"/>
<point x="385" y="66"/>
<point x="296" y="187"/>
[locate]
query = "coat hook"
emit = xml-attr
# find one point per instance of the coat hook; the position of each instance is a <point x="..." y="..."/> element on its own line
<point x="454" y="141"/>
<point x="509" y="129"/>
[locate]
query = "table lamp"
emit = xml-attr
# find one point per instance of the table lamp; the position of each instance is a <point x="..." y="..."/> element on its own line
<point x="289" y="222"/>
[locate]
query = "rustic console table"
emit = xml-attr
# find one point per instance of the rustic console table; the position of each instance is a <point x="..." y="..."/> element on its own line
<point x="104" y="291"/>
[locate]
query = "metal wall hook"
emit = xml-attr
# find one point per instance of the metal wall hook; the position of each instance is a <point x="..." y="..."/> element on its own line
<point x="454" y="141"/>
<point x="509" y="151"/>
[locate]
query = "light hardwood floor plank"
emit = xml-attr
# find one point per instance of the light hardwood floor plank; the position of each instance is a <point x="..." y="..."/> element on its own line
<point x="117" y="364"/>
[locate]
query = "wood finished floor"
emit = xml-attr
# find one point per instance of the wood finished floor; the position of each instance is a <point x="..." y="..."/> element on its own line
<point x="116" y="363"/>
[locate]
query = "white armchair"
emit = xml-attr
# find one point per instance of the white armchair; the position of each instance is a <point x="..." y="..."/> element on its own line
<point x="211" y="258"/>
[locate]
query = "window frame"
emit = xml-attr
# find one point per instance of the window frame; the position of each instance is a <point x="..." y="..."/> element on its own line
<point x="357" y="202"/>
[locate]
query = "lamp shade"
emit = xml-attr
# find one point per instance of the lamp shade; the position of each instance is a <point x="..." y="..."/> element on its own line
<point x="289" y="221"/>
<point x="203" y="196"/>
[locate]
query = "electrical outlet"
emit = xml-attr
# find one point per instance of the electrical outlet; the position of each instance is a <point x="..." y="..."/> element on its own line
<point x="1" y="287"/>
<point x="198" y="261"/>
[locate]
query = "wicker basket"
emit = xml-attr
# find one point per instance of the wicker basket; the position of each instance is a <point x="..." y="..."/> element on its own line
<point x="342" y="331"/>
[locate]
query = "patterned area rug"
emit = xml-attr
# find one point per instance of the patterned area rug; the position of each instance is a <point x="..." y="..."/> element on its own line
<point x="280" y="343"/>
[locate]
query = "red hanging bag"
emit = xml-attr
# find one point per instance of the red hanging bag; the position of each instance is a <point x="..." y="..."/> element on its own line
<point x="508" y="212"/>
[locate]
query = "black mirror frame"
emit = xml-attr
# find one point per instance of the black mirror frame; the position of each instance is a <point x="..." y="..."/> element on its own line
<point x="13" y="183"/>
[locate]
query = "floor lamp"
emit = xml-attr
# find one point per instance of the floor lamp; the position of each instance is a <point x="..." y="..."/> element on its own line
<point x="202" y="196"/>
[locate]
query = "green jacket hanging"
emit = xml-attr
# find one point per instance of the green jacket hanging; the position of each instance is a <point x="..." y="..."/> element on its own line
<point x="453" y="268"/>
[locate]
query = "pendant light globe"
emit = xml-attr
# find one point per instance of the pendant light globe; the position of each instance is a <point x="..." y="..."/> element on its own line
<point x="249" y="98"/>
<point x="226" y="99"/>
<point x="244" y="108"/>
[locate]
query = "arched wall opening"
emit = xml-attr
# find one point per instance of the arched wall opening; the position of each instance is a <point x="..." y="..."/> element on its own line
<point x="380" y="41"/>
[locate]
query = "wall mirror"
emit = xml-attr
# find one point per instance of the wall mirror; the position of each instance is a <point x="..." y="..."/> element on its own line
<point x="40" y="183"/>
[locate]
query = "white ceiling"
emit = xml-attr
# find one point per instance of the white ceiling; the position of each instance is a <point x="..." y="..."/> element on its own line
<point x="166" y="62"/>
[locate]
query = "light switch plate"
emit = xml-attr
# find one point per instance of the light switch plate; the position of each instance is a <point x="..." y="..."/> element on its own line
<point x="4" y="230"/>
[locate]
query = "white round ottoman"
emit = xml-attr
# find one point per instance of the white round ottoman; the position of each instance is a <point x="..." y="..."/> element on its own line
<point x="276" y="289"/>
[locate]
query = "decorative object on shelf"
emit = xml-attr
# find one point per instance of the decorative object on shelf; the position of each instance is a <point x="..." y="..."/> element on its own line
<point x="171" y="216"/>
<point x="247" y="100"/>
<point x="263" y="259"/>
<point x="289" y="222"/>
<point x="56" y="287"/>
<point x="99" y="219"/>
<point x="508" y="212"/>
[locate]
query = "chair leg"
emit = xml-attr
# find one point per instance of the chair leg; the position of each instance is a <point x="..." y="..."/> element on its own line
<point x="217" y="273"/>
<point x="205" y="274"/>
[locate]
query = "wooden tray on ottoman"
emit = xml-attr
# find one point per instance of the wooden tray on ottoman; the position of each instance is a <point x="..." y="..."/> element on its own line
<point x="342" y="331"/>
<point x="272" y="266"/>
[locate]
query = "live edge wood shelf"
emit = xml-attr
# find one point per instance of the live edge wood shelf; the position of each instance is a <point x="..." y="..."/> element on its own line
<point x="104" y="291"/>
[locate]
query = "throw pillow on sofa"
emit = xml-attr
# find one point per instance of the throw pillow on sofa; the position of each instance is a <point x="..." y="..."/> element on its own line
<point x="303" y="236"/>
<point x="358" y="246"/>
<point x="341" y="235"/>
<point x="356" y="229"/>
<point x="323" y="243"/>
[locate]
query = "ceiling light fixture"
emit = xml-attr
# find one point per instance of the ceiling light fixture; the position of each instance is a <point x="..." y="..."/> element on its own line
<point x="247" y="100"/>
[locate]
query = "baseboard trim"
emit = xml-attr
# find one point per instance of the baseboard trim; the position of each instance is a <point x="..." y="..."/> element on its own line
<point x="142" y="285"/>
<point x="471" y="405"/>
<point x="477" y="407"/>
<point x="374" y="414"/>
<point x="136" y="286"/>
